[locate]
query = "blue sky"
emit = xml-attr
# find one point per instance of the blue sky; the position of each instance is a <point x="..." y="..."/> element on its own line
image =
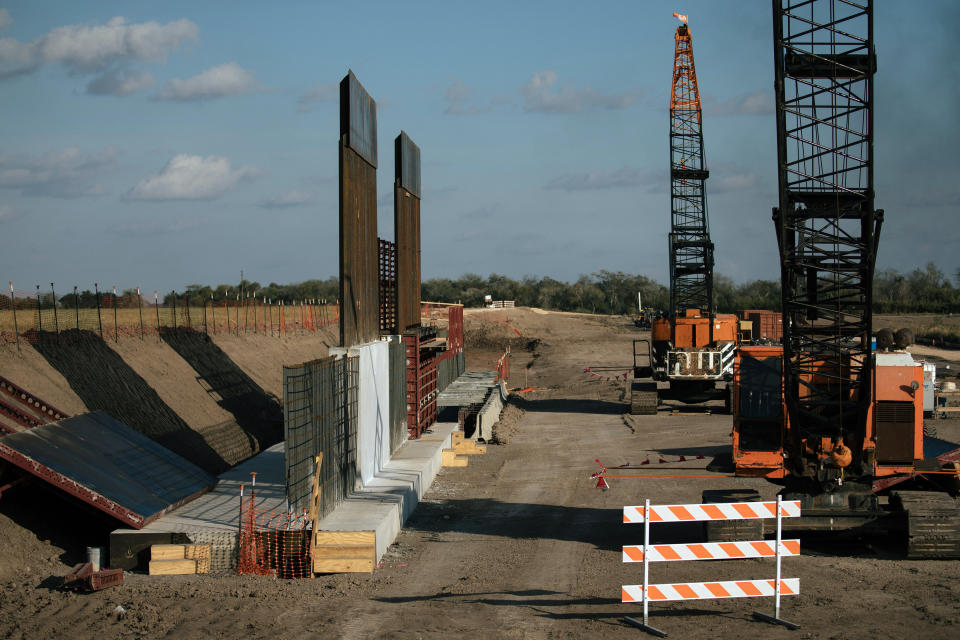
<point x="164" y="144"/>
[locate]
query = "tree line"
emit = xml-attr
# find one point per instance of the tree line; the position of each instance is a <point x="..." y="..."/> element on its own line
<point x="923" y="290"/>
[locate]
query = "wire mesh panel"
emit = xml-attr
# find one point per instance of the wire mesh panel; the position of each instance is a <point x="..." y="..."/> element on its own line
<point x="827" y="227"/>
<point x="388" y="287"/>
<point x="320" y="416"/>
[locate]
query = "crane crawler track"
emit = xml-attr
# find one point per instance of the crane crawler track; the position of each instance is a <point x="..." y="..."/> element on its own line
<point x="644" y="398"/>
<point x="933" y="524"/>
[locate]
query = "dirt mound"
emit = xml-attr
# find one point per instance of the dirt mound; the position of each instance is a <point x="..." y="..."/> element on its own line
<point x="510" y="419"/>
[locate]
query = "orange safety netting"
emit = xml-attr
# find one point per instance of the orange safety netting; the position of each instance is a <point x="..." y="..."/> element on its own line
<point x="273" y="542"/>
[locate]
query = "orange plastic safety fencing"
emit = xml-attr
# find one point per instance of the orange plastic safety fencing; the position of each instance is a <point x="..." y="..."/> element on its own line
<point x="273" y="542"/>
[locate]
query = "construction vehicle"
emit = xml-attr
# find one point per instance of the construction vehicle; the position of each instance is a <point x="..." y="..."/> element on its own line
<point x="645" y="317"/>
<point x="837" y="423"/>
<point x="690" y="354"/>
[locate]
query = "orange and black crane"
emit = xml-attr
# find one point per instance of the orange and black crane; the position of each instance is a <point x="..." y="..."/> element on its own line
<point x="836" y="421"/>
<point x="693" y="347"/>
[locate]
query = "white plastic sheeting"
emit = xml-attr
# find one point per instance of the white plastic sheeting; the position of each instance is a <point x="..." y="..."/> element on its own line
<point x="373" y="401"/>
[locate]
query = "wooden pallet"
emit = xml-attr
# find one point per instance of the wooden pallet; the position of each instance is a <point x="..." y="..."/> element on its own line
<point x="344" y="551"/>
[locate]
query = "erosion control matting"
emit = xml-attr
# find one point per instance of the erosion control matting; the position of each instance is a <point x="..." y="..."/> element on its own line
<point x="105" y="463"/>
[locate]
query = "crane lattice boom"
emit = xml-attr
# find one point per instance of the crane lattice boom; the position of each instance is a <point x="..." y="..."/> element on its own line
<point x="690" y="248"/>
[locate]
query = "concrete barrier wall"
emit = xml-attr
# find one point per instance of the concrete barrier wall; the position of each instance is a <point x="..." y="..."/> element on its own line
<point x="373" y="403"/>
<point x="490" y="413"/>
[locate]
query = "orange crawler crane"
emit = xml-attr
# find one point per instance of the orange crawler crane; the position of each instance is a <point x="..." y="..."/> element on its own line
<point x="692" y="351"/>
<point x="836" y="422"/>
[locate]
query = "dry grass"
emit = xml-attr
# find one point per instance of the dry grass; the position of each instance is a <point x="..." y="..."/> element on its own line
<point x="926" y="327"/>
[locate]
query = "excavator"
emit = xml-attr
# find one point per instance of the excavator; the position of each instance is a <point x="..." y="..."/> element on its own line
<point x="834" y="420"/>
<point x="691" y="351"/>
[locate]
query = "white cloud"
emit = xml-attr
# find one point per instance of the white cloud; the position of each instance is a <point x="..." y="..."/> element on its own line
<point x="320" y="94"/>
<point x="541" y="96"/>
<point x="731" y="182"/>
<point x="460" y="100"/>
<point x="755" y="103"/>
<point x="189" y="177"/>
<point x="69" y="173"/>
<point x="17" y="58"/>
<point x="119" y="82"/>
<point x="293" y="198"/>
<point x="86" y="49"/>
<point x="154" y="227"/>
<point x="620" y="178"/>
<point x="228" y="79"/>
<point x="5" y="19"/>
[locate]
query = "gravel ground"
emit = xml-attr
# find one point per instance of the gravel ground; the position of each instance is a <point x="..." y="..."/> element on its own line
<point x="519" y="544"/>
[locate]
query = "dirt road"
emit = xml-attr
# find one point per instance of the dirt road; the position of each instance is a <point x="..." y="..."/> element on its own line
<point x="520" y="544"/>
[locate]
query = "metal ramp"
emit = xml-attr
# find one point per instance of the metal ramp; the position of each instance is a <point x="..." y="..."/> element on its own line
<point x="105" y="463"/>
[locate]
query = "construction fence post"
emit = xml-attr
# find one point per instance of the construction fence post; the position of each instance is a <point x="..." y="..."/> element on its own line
<point x="156" y="307"/>
<point x="96" y="289"/>
<point x="39" y="309"/>
<point x="140" y="309"/>
<point x="13" y="305"/>
<point x="56" y="320"/>
<point x="116" y="325"/>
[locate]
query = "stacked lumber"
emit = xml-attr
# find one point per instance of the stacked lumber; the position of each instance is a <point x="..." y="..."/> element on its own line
<point x="466" y="447"/>
<point x="179" y="559"/>
<point x="449" y="458"/>
<point x="344" y="551"/>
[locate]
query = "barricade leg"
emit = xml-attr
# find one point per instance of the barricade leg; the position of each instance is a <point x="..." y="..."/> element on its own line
<point x="775" y="618"/>
<point x="645" y="626"/>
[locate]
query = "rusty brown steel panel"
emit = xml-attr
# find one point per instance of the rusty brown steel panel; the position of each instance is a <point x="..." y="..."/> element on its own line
<point x="407" y="163"/>
<point x="359" y="249"/>
<point x="358" y="118"/>
<point x="406" y="223"/>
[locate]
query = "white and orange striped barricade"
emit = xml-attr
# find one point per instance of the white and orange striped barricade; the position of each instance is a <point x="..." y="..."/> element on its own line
<point x="647" y="553"/>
